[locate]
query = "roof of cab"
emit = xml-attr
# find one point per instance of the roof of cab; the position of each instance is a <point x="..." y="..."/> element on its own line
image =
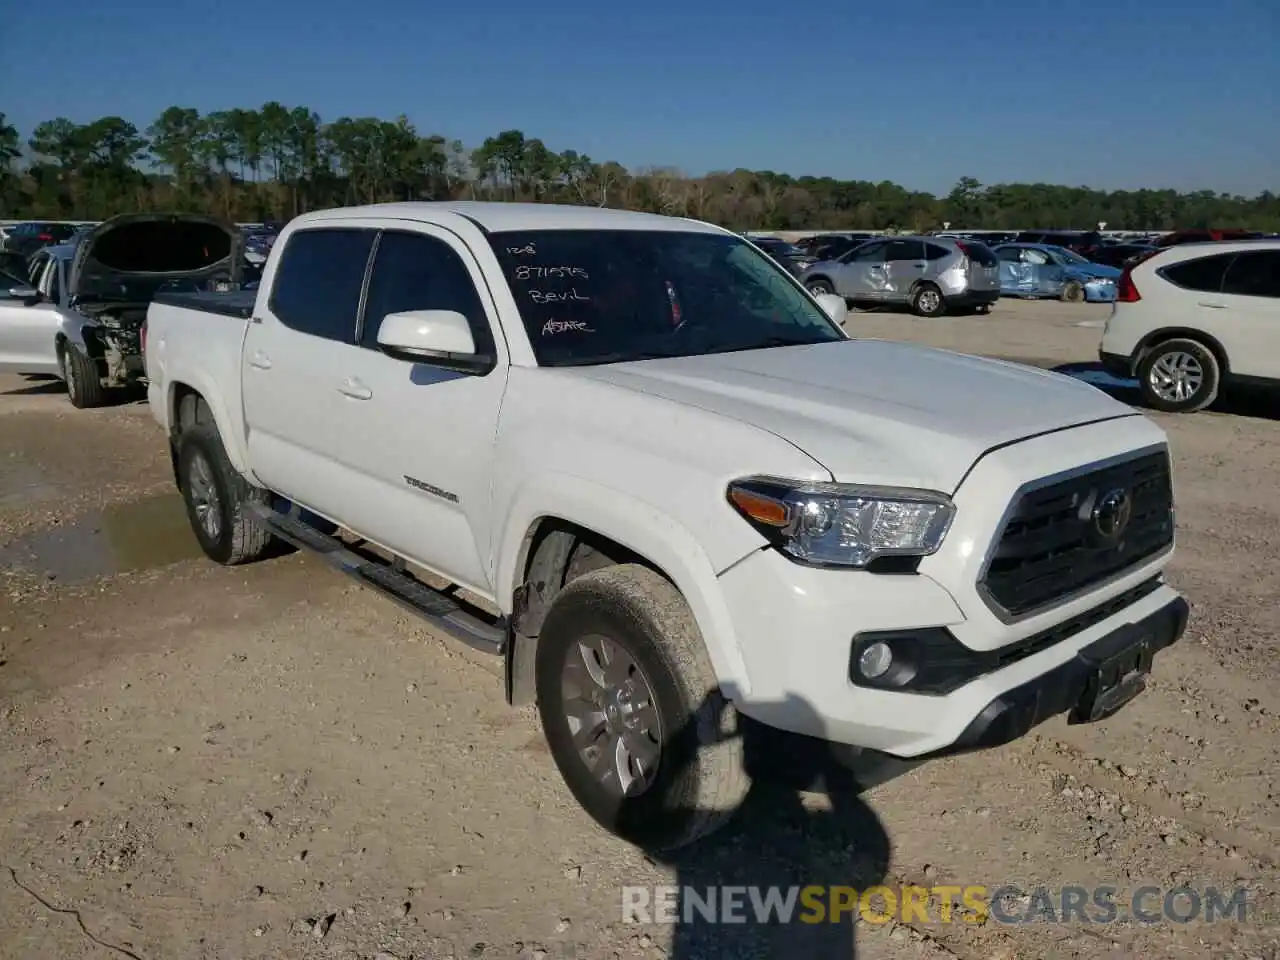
<point x="515" y="216"/>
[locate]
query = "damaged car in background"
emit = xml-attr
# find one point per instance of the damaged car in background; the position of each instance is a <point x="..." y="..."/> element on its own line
<point x="82" y="316"/>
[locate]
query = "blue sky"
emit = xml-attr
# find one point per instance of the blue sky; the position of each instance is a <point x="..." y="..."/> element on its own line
<point x="1118" y="94"/>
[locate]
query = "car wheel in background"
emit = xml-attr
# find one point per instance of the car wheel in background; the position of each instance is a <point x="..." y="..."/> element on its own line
<point x="927" y="301"/>
<point x="1072" y="291"/>
<point x="819" y="287"/>
<point x="1179" y="376"/>
<point x="84" y="387"/>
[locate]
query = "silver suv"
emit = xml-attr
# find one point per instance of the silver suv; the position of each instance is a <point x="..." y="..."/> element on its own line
<point x="928" y="274"/>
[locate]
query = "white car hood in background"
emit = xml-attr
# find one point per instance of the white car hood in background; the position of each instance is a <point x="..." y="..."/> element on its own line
<point x="874" y="411"/>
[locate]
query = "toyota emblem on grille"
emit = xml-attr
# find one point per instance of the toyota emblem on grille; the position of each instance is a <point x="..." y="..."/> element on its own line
<point x="1111" y="514"/>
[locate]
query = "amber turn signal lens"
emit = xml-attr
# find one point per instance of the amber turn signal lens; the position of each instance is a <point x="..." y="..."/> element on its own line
<point x="760" y="509"/>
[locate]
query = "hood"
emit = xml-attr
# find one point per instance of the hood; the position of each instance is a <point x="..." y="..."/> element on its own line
<point x="1093" y="271"/>
<point x="131" y="256"/>
<point x="873" y="411"/>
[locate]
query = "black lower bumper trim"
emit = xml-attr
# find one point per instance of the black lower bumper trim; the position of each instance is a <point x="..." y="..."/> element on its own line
<point x="1012" y="714"/>
<point x="1116" y="364"/>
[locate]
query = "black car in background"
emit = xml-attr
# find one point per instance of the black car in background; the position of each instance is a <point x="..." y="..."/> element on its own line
<point x="832" y="246"/>
<point x="27" y="238"/>
<point x="787" y="254"/>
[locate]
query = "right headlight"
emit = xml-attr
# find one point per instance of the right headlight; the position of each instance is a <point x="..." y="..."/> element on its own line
<point x="840" y="524"/>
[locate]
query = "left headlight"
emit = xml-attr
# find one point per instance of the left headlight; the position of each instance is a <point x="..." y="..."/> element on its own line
<point x="843" y="525"/>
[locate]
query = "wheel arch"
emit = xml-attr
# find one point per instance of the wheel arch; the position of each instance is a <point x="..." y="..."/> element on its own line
<point x="545" y="549"/>
<point x="1165" y="334"/>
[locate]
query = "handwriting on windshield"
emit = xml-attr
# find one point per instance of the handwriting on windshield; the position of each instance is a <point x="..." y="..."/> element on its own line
<point x="555" y="296"/>
<point x="552" y="327"/>
<point x="526" y="251"/>
<point x="529" y="273"/>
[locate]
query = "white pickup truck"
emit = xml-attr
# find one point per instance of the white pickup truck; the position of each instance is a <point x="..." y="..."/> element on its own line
<point x="668" y="489"/>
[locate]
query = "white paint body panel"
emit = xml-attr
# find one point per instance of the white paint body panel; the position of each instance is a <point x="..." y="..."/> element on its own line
<point x="642" y="453"/>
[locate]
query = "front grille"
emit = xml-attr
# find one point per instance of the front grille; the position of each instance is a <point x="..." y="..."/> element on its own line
<point x="1051" y="548"/>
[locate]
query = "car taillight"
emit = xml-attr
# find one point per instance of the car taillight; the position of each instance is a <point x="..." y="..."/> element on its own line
<point x="45" y="237"/>
<point x="1126" y="290"/>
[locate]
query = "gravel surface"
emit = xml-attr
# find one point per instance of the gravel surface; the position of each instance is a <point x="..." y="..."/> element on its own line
<point x="270" y="762"/>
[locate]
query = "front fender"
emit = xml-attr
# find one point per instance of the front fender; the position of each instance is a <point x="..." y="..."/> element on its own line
<point x="639" y="526"/>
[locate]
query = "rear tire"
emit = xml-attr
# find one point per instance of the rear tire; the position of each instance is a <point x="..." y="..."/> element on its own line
<point x="927" y="301"/>
<point x="691" y="778"/>
<point x="218" y="499"/>
<point x="1179" y="376"/>
<point x="84" y="383"/>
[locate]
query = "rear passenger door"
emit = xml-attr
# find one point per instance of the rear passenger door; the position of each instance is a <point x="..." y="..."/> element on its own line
<point x="296" y="355"/>
<point x="905" y="266"/>
<point x="419" y="438"/>
<point x="1251" y="297"/>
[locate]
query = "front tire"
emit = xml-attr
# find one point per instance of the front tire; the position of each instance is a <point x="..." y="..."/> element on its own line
<point x="1179" y="376"/>
<point x="1072" y="292"/>
<point x="927" y="301"/>
<point x="819" y="287"/>
<point x="218" y="499"/>
<point x="632" y="711"/>
<point x="84" y="384"/>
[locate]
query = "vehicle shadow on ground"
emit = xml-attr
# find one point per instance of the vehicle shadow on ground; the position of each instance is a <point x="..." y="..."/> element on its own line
<point x="36" y="387"/>
<point x="778" y="843"/>
<point x="1240" y="402"/>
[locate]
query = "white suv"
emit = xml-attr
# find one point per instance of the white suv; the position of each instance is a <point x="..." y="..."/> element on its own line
<point x="1193" y="318"/>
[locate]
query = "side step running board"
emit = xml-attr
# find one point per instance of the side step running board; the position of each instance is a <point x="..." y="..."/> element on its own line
<point x="391" y="580"/>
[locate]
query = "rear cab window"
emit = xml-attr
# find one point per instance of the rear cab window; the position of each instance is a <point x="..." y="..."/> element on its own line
<point x="317" y="286"/>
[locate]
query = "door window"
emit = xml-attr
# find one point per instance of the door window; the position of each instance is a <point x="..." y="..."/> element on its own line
<point x="869" y="253"/>
<point x="319" y="280"/>
<point x="934" y="252"/>
<point x="904" y="250"/>
<point x="414" y="271"/>
<point x="1010" y="254"/>
<point x="1255" y="273"/>
<point x="1037" y="257"/>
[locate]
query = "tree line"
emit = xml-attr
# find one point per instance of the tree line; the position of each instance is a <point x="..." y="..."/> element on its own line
<point x="276" y="161"/>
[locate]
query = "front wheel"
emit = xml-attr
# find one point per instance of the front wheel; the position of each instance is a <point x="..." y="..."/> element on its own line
<point x="927" y="301"/>
<point x="819" y="287"/>
<point x="632" y="712"/>
<point x="1072" y="292"/>
<point x="1179" y="376"/>
<point x="84" y="384"/>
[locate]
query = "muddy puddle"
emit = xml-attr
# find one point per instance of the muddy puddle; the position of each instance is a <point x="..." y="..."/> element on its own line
<point x="131" y="536"/>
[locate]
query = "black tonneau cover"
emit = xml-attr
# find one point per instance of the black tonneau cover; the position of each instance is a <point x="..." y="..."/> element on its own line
<point x="229" y="303"/>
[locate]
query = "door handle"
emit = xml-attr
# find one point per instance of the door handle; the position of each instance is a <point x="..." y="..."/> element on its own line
<point x="260" y="361"/>
<point x="1212" y="306"/>
<point x="353" y="388"/>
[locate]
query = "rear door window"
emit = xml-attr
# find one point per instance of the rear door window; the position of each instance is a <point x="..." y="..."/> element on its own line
<point x="1255" y="273"/>
<point x="319" y="280"/>
<point x="904" y="250"/>
<point x="934" y="252"/>
<point x="1203" y="274"/>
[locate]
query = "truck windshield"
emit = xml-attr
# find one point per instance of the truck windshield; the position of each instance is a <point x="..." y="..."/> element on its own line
<point x="610" y="296"/>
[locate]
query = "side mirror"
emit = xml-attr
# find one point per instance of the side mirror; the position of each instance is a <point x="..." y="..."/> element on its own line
<point x="27" y="295"/>
<point x="439" y="337"/>
<point x="834" y="307"/>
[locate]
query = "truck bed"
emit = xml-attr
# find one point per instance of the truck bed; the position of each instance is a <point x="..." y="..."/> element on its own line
<point x="230" y="303"/>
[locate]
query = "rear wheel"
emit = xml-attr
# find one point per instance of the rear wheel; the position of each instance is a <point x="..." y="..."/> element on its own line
<point x="632" y="711"/>
<point x="819" y="287"/>
<point x="1179" y="376"/>
<point x="84" y="385"/>
<point x="218" y="499"/>
<point x="926" y="301"/>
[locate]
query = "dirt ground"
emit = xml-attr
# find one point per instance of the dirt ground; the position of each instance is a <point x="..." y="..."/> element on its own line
<point x="270" y="762"/>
